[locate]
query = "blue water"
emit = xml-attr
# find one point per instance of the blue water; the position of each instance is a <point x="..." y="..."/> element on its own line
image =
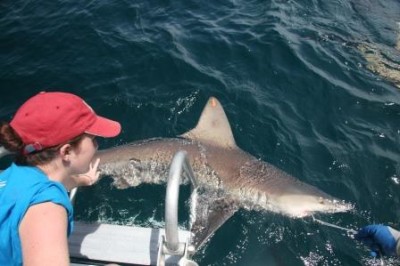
<point x="293" y="83"/>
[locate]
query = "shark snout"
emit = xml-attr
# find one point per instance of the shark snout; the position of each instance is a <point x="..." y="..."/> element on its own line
<point x="305" y="205"/>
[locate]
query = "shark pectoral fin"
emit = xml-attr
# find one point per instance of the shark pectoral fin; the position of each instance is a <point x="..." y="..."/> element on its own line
<point x="208" y="215"/>
<point x="213" y="126"/>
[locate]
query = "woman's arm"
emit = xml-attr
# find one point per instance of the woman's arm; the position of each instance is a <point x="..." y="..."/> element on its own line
<point x="43" y="234"/>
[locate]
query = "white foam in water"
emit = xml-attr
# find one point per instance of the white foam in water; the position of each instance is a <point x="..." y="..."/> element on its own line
<point x="312" y="259"/>
<point x="395" y="180"/>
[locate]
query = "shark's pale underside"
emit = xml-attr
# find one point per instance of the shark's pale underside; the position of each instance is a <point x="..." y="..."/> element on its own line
<point x="229" y="177"/>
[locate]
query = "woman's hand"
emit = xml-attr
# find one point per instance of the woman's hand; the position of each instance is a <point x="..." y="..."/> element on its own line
<point x="86" y="179"/>
<point x="90" y="177"/>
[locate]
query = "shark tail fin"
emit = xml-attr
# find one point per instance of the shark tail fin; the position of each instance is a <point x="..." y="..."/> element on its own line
<point x="213" y="126"/>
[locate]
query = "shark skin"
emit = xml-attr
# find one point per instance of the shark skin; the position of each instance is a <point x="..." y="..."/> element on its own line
<point x="229" y="178"/>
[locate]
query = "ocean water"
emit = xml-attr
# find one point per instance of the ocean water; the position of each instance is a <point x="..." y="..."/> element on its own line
<point x="291" y="77"/>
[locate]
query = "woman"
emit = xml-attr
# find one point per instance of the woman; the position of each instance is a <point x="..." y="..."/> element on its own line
<point x="53" y="135"/>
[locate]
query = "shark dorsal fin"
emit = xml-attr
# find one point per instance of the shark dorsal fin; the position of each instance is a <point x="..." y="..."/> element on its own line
<point x="213" y="126"/>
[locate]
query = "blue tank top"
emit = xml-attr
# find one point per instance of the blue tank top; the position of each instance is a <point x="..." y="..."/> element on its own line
<point x="20" y="188"/>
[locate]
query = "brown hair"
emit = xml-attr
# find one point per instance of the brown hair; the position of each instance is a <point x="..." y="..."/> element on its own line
<point x="10" y="140"/>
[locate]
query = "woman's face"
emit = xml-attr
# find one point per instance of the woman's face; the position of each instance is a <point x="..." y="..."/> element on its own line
<point x="83" y="154"/>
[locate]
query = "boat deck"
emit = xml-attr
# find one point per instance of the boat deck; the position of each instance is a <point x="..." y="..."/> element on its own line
<point x="128" y="245"/>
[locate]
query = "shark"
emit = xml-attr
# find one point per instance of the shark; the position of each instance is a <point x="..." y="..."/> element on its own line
<point x="229" y="178"/>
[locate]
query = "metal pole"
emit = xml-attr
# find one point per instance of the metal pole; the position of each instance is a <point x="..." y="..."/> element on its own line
<point x="179" y="164"/>
<point x="72" y="195"/>
<point x="171" y="202"/>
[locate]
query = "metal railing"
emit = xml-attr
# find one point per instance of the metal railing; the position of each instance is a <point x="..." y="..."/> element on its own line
<point x="180" y="165"/>
<point x="171" y="245"/>
<point x="72" y="195"/>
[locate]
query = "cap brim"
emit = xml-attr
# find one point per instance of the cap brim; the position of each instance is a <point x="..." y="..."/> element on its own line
<point x="104" y="127"/>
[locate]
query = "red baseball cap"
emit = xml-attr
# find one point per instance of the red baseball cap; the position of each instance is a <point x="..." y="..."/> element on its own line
<point x="52" y="118"/>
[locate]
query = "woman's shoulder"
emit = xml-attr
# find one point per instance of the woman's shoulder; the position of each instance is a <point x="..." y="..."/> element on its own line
<point x="25" y="186"/>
